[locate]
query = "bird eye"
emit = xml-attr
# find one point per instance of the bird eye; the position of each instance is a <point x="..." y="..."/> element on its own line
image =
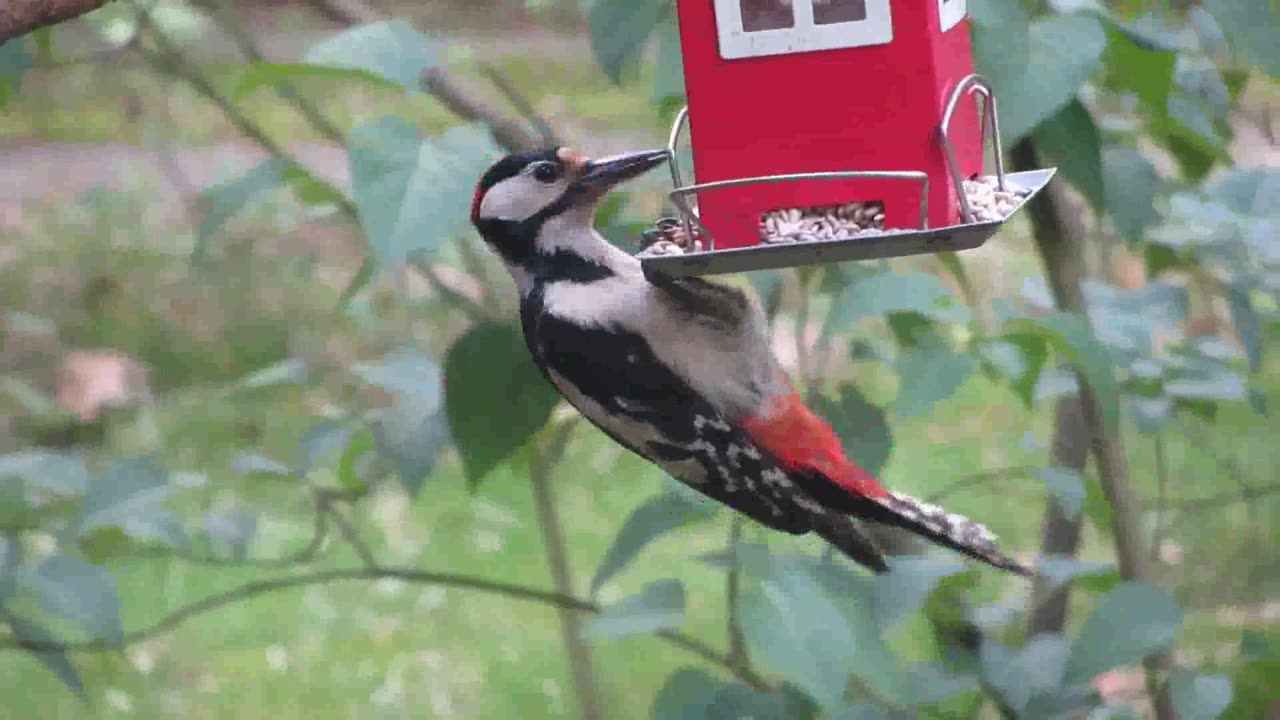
<point x="546" y="172"/>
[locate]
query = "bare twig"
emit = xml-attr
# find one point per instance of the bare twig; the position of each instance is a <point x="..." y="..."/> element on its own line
<point x="980" y="479"/>
<point x="429" y="273"/>
<point x="546" y="134"/>
<point x="19" y="17"/>
<point x="352" y="536"/>
<point x="301" y="556"/>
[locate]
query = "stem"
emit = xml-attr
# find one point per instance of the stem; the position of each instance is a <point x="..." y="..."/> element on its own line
<point x="1059" y="239"/>
<point x="1162" y="476"/>
<point x="733" y="585"/>
<point x="580" y="663"/>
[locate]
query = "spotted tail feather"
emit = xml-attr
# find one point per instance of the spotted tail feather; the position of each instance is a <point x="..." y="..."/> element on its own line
<point x="949" y="529"/>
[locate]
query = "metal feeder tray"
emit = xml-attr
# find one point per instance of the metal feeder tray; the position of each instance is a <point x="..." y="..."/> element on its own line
<point x="883" y="244"/>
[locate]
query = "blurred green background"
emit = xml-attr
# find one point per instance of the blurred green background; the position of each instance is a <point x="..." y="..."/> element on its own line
<point x="195" y="371"/>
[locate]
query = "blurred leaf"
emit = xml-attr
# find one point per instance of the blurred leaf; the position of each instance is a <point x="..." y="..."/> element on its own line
<point x="495" y="397"/>
<point x="904" y="590"/>
<point x="61" y="473"/>
<point x="1001" y="31"/>
<point x="57" y="662"/>
<point x="659" y="606"/>
<point x="864" y="432"/>
<point x="30" y="399"/>
<point x="1130" y="181"/>
<point x="1199" y="697"/>
<point x="1126" y="625"/>
<point x="620" y="29"/>
<point x="413" y="194"/>
<point x="285" y="372"/>
<point x="415" y="431"/>
<point x="794" y="630"/>
<point x="656" y="517"/>
<point x="1247" y="324"/>
<point x="1139" y="67"/>
<point x="1062" y="569"/>
<point x="1071" y="335"/>
<point x="1064" y="51"/>
<point x="1034" y="669"/>
<point x="322" y="443"/>
<point x="70" y="588"/>
<point x="223" y="202"/>
<point x="1069" y="139"/>
<point x="931" y="683"/>
<point x="887" y="291"/>
<point x="251" y="463"/>
<point x="14" y="61"/>
<point x="127" y="497"/>
<point x="390" y="50"/>
<point x="234" y="528"/>
<point x="1068" y="489"/>
<point x="350" y="467"/>
<point x="668" y="82"/>
<point x="693" y="694"/>
<point x="929" y="374"/>
<point x="1249" y="191"/>
<point x="1202" y="379"/>
<point x="1251" y="28"/>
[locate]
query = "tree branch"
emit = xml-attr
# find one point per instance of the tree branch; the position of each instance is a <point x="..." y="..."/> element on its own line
<point x="19" y="17"/>
<point x="737" y="654"/>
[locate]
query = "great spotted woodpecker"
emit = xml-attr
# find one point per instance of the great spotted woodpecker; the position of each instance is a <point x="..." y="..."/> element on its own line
<point x="680" y="371"/>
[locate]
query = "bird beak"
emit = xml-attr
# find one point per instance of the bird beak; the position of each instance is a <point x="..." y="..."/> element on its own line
<point x="598" y="176"/>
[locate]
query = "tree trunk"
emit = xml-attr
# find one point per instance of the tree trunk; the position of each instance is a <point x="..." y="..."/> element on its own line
<point x="1060" y="535"/>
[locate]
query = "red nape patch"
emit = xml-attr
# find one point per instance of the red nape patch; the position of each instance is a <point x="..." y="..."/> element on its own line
<point x="804" y="441"/>
<point x="475" y="203"/>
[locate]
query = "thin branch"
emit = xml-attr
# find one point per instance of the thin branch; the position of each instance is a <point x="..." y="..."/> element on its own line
<point x="352" y="536"/>
<point x="19" y="17"/>
<point x="429" y="273"/>
<point x="301" y="556"/>
<point x="1249" y="493"/>
<point x="733" y="585"/>
<point x="546" y="134"/>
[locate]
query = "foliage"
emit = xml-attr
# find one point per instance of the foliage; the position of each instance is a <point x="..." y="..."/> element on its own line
<point x="1091" y="87"/>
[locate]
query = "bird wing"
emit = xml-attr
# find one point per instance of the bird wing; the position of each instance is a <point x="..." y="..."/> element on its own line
<point x="661" y="419"/>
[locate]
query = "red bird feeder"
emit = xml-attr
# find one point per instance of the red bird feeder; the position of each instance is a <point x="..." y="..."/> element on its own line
<point x="831" y="130"/>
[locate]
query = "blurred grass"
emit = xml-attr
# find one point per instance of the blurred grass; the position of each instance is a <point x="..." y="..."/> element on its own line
<point x="388" y="650"/>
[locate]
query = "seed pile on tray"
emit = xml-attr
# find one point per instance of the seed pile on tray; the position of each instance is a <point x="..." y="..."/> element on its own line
<point x="988" y="202"/>
<point x="667" y="237"/>
<point x="832" y="222"/>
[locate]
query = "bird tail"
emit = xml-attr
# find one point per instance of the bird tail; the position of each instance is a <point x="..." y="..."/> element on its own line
<point x="847" y="536"/>
<point x="948" y="529"/>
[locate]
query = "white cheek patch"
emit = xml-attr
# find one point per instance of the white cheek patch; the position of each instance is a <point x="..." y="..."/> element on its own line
<point x="519" y="198"/>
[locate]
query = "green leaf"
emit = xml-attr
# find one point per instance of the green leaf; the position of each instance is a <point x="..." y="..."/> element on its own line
<point x="127" y="497"/>
<point x="255" y="463"/>
<point x="886" y="292"/>
<point x="620" y="29"/>
<point x="793" y="629"/>
<point x="285" y="372"/>
<point x="414" y="432"/>
<point x="14" y="61"/>
<point x="1127" y="624"/>
<point x="693" y="694"/>
<point x="322" y="443"/>
<point x="495" y="397"/>
<point x="1251" y="28"/>
<point x="1034" y="669"/>
<point x="391" y="50"/>
<point x="904" y="590"/>
<point x="1001" y="31"/>
<point x="929" y="374"/>
<point x="234" y="528"/>
<point x="60" y="473"/>
<point x="1068" y="489"/>
<point x="1247" y="324"/>
<point x="69" y="588"/>
<point x="863" y="429"/>
<point x="1130" y="182"/>
<point x="413" y="194"/>
<point x="668" y="81"/>
<point x="1062" y="569"/>
<point x="1065" y="51"/>
<point x="659" y="606"/>
<point x="1199" y="697"/>
<point x="57" y="662"/>
<point x="1140" y="68"/>
<point x="1070" y="334"/>
<point x="223" y="202"/>
<point x="655" y="518"/>
<point x="1069" y="139"/>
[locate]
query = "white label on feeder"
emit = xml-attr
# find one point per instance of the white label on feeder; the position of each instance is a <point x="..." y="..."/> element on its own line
<point x="754" y="28"/>
<point x="950" y="12"/>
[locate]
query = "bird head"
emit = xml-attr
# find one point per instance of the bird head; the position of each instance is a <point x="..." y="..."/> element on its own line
<point x="538" y="202"/>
